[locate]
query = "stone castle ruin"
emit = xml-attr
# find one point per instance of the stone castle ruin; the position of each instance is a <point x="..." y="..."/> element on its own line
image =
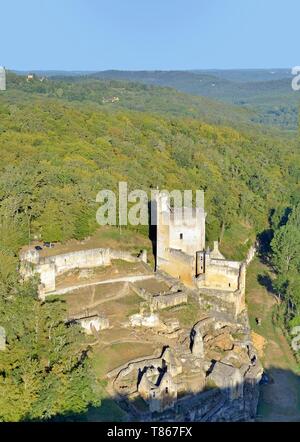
<point x="184" y="382"/>
<point x="204" y="369"/>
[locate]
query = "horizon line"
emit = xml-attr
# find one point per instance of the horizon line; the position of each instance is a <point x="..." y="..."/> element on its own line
<point x="149" y="70"/>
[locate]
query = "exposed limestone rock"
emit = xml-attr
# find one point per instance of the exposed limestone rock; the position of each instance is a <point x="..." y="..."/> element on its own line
<point x="197" y="345"/>
<point x="2" y="338"/>
<point x="93" y="323"/>
<point x="227" y="378"/>
<point x="144" y="320"/>
<point x="259" y="343"/>
<point x="223" y="341"/>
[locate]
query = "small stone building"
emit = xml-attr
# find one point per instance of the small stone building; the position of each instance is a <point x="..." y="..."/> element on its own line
<point x="158" y="389"/>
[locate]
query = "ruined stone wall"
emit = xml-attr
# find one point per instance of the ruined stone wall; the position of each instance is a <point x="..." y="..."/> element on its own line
<point x="222" y="274"/>
<point x="126" y="256"/>
<point x="169" y="300"/>
<point x="79" y="259"/>
<point x="180" y="266"/>
<point x="162" y="231"/>
<point x="47" y="274"/>
<point x="50" y="267"/>
<point x="221" y="301"/>
<point x="251" y="254"/>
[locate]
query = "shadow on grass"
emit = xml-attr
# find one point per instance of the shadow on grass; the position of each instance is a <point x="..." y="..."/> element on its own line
<point x="266" y="281"/>
<point x="277" y="398"/>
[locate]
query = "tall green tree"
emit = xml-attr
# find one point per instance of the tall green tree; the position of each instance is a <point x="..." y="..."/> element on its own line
<point x="44" y="370"/>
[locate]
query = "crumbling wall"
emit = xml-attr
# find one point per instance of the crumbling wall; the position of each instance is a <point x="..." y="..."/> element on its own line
<point x="221" y="274"/>
<point x="232" y="303"/>
<point x="47" y="272"/>
<point x="79" y="259"/>
<point x="161" y="301"/>
<point x="168" y="300"/>
<point x="251" y="254"/>
<point x="127" y="256"/>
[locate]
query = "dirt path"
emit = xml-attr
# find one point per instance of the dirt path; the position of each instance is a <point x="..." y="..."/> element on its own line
<point x="130" y="278"/>
<point x="279" y="400"/>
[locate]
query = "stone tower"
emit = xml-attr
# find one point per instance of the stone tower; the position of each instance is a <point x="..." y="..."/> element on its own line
<point x="178" y="229"/>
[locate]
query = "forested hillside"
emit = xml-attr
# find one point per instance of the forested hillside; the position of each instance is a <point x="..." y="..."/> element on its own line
<point x="132" y="96"/>
<point x="214" y="100"/>
<point x="56" y="155"/>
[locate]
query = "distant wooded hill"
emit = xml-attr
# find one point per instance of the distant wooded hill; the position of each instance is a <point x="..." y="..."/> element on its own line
<point x="268" y="94"/>
<point x="265" y="92"/>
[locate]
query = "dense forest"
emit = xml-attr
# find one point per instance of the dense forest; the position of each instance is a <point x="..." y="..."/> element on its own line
<point x="60" y="145"/>
<point x="285" y="254"/>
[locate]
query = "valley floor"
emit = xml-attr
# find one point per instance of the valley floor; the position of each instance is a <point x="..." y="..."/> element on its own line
<point x="280" y="399"/>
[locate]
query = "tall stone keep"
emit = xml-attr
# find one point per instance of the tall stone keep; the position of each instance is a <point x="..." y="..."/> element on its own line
<point x="180" y="233"/>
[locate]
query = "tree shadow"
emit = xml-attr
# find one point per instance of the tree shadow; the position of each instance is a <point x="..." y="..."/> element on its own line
<point x="152" y="223"/>
<point x="264" y="241"/>
<point x="266" y="281"/>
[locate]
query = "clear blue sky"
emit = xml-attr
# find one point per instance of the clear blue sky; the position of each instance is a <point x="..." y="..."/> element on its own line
<point x="149" y="34"/>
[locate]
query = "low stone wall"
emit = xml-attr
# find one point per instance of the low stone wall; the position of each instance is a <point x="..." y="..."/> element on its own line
<point x="251" y="254"/>
<point x="161" y="301"/>
<point x="169" y="300"/>
<point x="80" y="260"/>
<point x="127" y="256"/>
